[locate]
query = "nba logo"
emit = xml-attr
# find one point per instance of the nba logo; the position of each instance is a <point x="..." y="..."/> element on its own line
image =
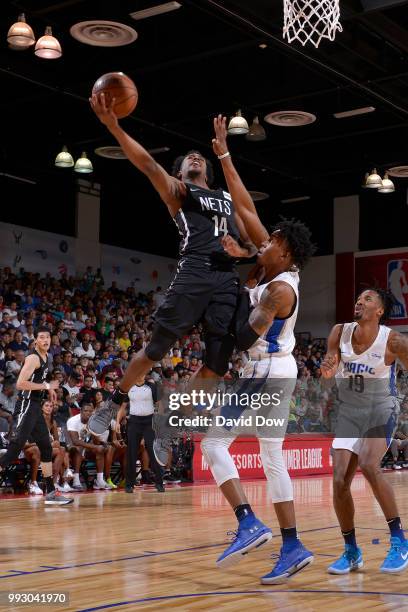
<point x="397" y="283"/>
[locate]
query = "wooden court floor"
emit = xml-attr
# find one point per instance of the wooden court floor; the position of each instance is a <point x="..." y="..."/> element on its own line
<point x="152" y="551"/>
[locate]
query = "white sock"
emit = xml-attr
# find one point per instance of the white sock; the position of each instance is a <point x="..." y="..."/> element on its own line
<point x="99" y="478"/>
<point x="76" y="479"/>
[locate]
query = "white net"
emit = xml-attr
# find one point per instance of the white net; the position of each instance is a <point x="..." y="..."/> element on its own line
<point x="311" y="20"/>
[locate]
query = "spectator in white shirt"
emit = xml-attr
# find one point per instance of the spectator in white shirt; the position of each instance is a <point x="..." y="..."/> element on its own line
<point x="86" y="349"/>
<point x="82" y="447"/>
<point x="13" y="367"/>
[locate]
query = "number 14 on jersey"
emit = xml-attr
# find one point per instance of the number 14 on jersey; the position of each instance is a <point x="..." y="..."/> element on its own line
<point x="220" y="225"/>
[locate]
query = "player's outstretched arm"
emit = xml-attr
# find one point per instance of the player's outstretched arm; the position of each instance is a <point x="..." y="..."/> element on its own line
<point x="397" y="345"/>
<point x="171" y="190"/>
<point x="277" y="299"/>
<point x="330" y="363"/>
<point x="240" y="196"/>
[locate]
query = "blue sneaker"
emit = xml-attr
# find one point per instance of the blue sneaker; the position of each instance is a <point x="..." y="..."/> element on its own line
<point x="350" y="561"/>
<point x="288" y="563"/>
<point x="397" y="558"/>
<point x="245" y="540"/>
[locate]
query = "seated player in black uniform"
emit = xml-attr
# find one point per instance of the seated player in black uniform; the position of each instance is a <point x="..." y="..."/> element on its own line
<point x="206" y="285"/>
<point x="30" y="423"/>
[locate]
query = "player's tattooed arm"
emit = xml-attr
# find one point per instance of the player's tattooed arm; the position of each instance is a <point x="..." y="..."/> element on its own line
<point x="398" y="347"/>
<point x="277" y="299"/>
<point x="330" y="363"/>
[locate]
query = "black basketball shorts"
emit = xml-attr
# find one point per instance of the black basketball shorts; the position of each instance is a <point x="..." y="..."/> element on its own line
<point x="200" y="291"/>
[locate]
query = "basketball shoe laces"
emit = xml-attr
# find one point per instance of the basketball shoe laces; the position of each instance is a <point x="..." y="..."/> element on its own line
<point x="394" y="551"/>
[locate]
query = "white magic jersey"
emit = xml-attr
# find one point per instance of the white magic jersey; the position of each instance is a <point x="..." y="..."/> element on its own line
<point x="280" y="338"/>
<point x="365" y="380"/>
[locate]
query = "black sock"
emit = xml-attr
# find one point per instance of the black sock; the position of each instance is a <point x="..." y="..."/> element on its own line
<point x="289" y="537"/>
<point x="396" y="528"/>
<point x="49" y="484"/>
<point x="350" y="537"/>
<point x="242" y="511"/>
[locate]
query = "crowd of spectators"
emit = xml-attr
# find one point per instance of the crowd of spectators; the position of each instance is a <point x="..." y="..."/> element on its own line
<point x="96" y="329"/>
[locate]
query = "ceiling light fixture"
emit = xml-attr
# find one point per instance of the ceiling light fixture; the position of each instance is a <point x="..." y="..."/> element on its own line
<point x="238" y="125"/>
<point x="159" y="9"/>
<point x="102" y="33"/>
<point x="353" y="113"/>
<point x="48" y="46"/>
<point x="83" y="164"/>
<point x="256" y="131"/>
<point x="20" y="35"/>
<point x="64" y="159"/>
<point x="373" y="180"/>
<point x="290" y="118"/>
<point x="387" y="185"/>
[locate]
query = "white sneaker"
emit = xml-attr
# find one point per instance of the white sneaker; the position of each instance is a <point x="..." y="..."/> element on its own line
<point x="34" y="489"/>
<point x="101" y="485"/>
<point x="396" y="467"/>
<point x="58" y="487"/>
<point x="68" y="474"/>
<point x="66" y="488"/>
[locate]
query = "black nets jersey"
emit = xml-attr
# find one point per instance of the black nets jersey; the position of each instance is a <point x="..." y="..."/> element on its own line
<point x="38" y="376"/>
<point x="204" y="218"/>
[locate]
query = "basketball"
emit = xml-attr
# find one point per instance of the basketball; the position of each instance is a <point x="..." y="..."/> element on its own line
<point x="119" y="86"/>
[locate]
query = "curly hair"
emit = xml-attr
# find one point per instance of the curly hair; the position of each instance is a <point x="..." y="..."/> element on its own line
<point x="298" y="238"/>
<point x="387" y="300"/>
<point x="209" y="167"/>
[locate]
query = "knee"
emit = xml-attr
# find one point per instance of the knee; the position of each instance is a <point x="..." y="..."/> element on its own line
<point x="369" y="469"/>
<point x="340" y="484"/>
<point x="161" y="342"/>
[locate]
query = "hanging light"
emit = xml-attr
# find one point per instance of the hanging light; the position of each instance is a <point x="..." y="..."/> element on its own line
<point x="48" y="46"/>
<point x="373" y="180"/>
<point x="238" y="125"/>
<point x="387" y="185"/>
<point x="64" y="159"/>
<point x="83" y="164"/>
<point x="256" y="131"/>
<point x="20" y="35"/>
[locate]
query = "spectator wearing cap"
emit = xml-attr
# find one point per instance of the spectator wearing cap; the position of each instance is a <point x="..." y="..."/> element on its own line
<point x="156" y="373"/>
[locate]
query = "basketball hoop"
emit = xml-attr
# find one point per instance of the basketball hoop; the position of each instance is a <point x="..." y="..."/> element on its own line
<point x="311" y="20"/>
